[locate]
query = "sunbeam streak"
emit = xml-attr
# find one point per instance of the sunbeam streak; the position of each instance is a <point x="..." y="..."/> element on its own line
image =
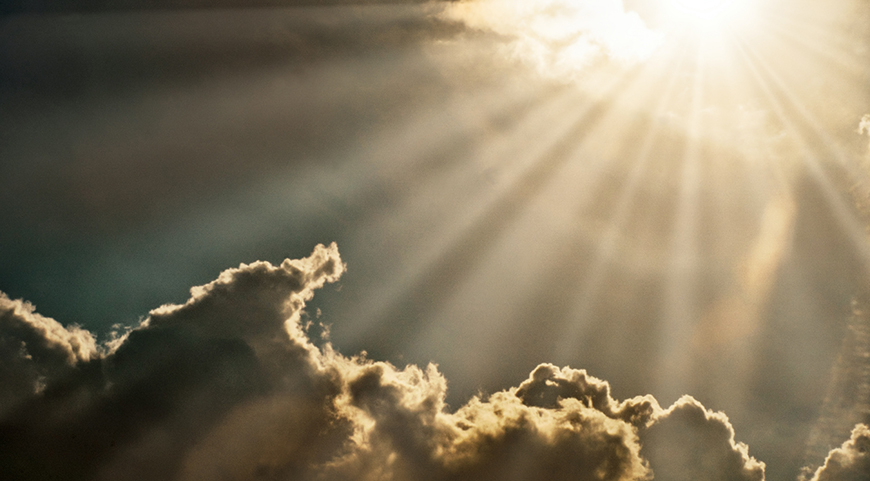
<point x="847" y="400"/>
<point x="463" y="253"/>
<point x="681" y="301"/>
<point x="810" y="136"/>
<point x="530" y="196"/>
<point x="608" y="245"/>
<point x="489" y="166"/>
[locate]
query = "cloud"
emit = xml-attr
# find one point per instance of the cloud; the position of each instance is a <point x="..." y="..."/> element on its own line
<point x="137" y="411"/>
<point x="684" y="442"/>
<point x="688" y="442"/>
<point x="35" y="350"/>
<point x="258" y="303"/>
<point x="561" y="37"/>
<point x="230" y="385"/>
<point x="849" y="462"/>
<point x="406" y="434"/>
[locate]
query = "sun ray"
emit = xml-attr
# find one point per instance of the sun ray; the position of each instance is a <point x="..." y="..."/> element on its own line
<point x="809" y="136"/>
<point x="449" y="258"/>
<point x="607" y="244"/>
<point x="823" y="45"/>
<point x="850" y="366"/>
<point x="847" y="398"/>
<point x="556" y="270"/>
<point x="546" y="110"/>
<point x="680" y="303"/>
<point x="648" y="210"/>
<point x="460" y="257"/>
<point x="731" y="323"/>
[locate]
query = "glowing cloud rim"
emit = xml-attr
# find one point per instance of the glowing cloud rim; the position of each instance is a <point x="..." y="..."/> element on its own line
<point x="270" y="400"/>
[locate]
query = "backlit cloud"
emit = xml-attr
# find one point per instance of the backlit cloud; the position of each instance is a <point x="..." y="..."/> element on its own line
<point x="230" y="385"/>
<point x="561" y="37"/>
<point x="849" y="462"/>
<point x="35" y="349"/>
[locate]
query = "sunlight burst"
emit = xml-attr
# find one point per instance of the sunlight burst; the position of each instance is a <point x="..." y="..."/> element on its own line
<point x="711" y="15"/>
<point x="562" y="37"/>
<point x="702" y="8"/>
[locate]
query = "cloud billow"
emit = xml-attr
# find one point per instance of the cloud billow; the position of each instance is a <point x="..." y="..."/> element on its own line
<point x="35" y="350"/>
<point x="849" y="462"/>
<point x="230" y="385"/>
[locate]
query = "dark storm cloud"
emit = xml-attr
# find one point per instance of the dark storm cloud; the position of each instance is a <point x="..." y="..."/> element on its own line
<point x="231" y="385"/>
<point x="849" y="462"/>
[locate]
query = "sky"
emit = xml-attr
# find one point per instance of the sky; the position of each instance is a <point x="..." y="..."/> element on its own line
<point x="483" y="239"/>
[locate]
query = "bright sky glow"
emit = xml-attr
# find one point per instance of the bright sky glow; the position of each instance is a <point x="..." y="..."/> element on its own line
<point x="708" y="16"/>
<point x="671" y="194"/>
<point x="703" y="8"/>
<point x="563" y="37"/>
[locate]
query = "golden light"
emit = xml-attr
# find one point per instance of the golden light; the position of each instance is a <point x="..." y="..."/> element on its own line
<point x="562" y="37"/>
<point x="702" y="8"/>
<point x="710" y="16"/>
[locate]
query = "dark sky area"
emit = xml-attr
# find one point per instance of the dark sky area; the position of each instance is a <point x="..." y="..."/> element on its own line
<point x="503" y="191"/>
<point x="96" y="6"/>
